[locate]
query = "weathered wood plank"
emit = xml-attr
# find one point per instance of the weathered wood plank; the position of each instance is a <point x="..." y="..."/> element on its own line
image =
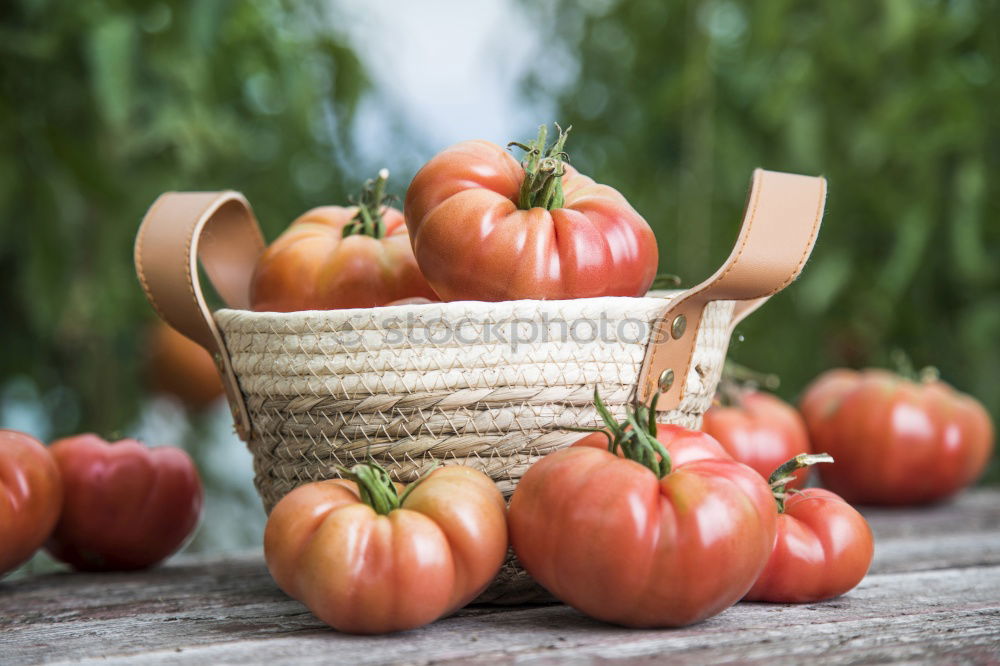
<point x="934" y="593"/>
<point x="904" y="615"/>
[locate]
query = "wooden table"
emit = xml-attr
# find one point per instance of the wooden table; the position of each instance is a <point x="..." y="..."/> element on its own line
<point x="933" y="595"/>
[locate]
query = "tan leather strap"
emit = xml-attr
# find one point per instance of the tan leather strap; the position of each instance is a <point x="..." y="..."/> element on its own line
<point x="780" y="225"/>
<point x="221" y="230"/>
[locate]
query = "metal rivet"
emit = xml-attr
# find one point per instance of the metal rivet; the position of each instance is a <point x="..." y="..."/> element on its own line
<point x="678" y="326"/>
<point x="666" y="380"/>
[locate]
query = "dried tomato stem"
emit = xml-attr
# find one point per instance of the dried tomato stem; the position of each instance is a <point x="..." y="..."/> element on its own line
<point x="784" y="475"/>
<point x="371" y="204"/>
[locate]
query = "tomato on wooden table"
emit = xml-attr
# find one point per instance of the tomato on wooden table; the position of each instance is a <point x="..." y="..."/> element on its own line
<point x="367" y="556"/>
<point x="125" y="506"/>
<point x="30" y="497"/>
<point x="641" y="540"/>
<point x="760" y="430"/>
<point x="895" y="441"/>
<point x="823" y="548"/>
<point x="335" y="257"/>
<point x="486" y="228"/>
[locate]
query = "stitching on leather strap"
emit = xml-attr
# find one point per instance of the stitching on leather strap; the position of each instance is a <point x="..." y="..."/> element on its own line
<point x="140" y="265"/>
<point x="662" y="322"/>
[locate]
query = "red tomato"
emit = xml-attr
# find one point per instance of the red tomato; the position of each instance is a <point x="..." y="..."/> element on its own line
<point x="387" y="563"/>
<point x="823" y="548"/>
<point x="486" y="228"/>
<point x="624" y="544"/>
<point x="332" y="258"/>
<point x="761" y="431"/>
<point x="125" y="506"/>
<point x="180" y="367"/>
<point x="30" y="497"/>
<point x="895" y="441"/>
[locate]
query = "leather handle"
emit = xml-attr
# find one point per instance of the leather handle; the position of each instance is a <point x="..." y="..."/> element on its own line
<point x="780" y="224"/>
<point x="220" y="229"/>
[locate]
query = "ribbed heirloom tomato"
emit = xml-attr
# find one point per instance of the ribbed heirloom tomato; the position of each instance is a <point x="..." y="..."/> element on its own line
<point x="484" y="227"/>
<point x="30" y="497"/>
<point x="367" y="560"/>
<point x="823" y="548"/>
<point x="895" y="441"/>
<point x="125" y="506"/>
<point x="760" y="430"/>
<point x="334" y="257"/>
<point x="659" y="537"/>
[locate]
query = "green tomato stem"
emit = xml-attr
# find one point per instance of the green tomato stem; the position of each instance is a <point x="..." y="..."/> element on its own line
<point x="543" y="171"/>
<point x="784" y="475"/>
<point x="635" y="437"/>
<point x="376" y="488"/>
<point x="372" y="202"/>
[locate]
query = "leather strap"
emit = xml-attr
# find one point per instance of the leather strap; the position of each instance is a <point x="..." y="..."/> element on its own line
<point x="221" y="230"/>
<point x="780" y="225"/>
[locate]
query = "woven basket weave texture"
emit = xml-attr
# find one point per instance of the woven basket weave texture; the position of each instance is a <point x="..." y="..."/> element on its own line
<point x="490" y="385"/>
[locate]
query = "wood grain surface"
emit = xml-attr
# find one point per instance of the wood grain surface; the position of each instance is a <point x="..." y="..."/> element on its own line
<point x="933" y="596"/>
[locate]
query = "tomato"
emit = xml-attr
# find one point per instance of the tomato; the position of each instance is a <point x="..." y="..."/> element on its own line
<point x="683" y="445"/>
<point x="366" y="560"/>
<point x="333" y="257"/>
<point x="30" y="497"/>
<point x="823" y="548"/>
<point x="486" y="228"/>
<point x="643" y="540"/>
<point x="125" y="506"/>
<point x="895" y="441"/>
<point x="181" y="367"/>
<point x="760" y="430"/>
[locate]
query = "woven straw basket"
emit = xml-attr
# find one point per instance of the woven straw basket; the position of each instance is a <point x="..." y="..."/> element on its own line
<point x="490" y="385"/>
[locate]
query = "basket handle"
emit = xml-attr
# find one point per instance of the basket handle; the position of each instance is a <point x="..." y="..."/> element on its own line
<point x="221" y="230"/>
<point x="780" y="224"/>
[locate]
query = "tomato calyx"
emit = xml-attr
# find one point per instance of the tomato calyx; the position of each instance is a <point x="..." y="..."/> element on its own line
<point x="785" y="474"/>
<point x="376" y="488"/>
<point x="738" y="380"/>
<point x="635" y="437"/>
<point x="543" y="170"/>
<point x="371" y="203"/>
<point x="904" y="367"/>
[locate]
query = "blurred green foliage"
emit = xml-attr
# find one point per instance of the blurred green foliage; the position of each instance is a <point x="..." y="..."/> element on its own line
<point x="896" y="102"/>
<point x="105" y="105"/>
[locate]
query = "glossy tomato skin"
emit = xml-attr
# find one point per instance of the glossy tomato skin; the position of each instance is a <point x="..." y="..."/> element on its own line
<point x="365" y="573"/>
<point x="473" y="243"/>
<point x="761" y="431"/>
<point x="181" y="367"/>
<point x="823" y="549"/>
<point x="125" y="506"/>
<point x="311" y="266"/>
<point x="607" y="537"/>
<point x="894" y="441"/>
<point x="30" y="497"/>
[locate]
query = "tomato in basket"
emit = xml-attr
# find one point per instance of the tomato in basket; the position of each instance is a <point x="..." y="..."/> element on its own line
<point x="335" y="257"/>
<point x="30" y="497"/>
<point x="486" y="228"/>
<point x="641" y="532"/>
<point x="895" y="441"/>
<point x="367" y="556"/>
